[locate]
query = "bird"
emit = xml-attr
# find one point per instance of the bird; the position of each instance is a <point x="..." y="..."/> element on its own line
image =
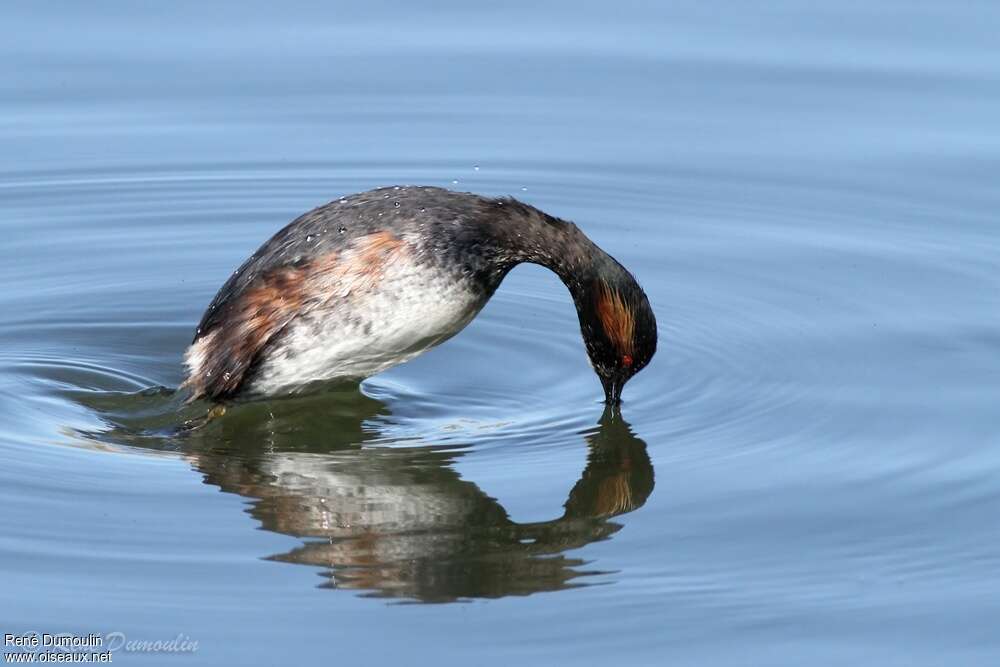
<point x="371" y="280"/>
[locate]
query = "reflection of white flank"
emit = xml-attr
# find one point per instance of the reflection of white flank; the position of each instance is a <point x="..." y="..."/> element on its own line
<point x="372" y="496"/>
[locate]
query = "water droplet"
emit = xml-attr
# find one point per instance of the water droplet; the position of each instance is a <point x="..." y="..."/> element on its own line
<point x="385" y="196"/>
<point x="309" y="238"/>
<point x="225" y="376"/>
<point x="343" y="199"/>
<point x="475" y="167"/>
<point x="397" y="204"/>
<point x="422" y="210"/>
<point x="524" y="189"/>
<point x="455" y="182"/>
<point x="342" y="229"/>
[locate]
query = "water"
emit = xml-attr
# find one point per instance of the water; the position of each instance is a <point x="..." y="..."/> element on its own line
<point x="806" y="474"/>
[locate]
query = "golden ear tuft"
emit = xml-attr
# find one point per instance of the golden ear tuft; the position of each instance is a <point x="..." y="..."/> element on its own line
<point x="616" y="318"/>
<point x="614" y="496"/>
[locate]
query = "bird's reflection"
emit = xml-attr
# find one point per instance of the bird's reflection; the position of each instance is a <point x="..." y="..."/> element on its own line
<point x="399" y="521"/>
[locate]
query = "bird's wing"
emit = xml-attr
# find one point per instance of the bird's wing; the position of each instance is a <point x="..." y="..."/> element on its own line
<point x="264" y="296"/>
<point x="236" y="328"/>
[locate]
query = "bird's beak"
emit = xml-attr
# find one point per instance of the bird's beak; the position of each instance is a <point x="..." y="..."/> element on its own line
<point x="613" y="389"/>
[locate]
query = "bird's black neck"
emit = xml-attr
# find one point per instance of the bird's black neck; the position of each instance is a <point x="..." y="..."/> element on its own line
<point x="537" y="238"/>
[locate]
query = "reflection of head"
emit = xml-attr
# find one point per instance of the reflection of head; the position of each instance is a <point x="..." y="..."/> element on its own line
<point x="400" y="521"/>
<point x="618" y="477"/>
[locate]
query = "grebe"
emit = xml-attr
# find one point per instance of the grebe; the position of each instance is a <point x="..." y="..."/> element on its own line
<point x="371" y="280"/>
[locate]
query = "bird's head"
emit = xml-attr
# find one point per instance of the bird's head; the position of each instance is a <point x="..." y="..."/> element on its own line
<point x="619" y="329"/>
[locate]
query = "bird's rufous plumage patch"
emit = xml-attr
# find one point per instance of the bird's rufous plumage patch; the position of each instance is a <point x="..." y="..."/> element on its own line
<point x="220" y="358"/>
<point x="614" y="496"/>
<point x="616" y="318"/>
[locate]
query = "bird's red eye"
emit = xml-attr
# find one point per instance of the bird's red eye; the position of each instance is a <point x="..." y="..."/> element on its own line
<point x="627" y="361"/>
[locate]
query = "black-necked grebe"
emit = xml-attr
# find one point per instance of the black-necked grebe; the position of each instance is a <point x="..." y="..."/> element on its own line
<point x="371" y="280"/>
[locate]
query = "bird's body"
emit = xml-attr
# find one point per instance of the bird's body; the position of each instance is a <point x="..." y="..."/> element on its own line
<point x="371" y="280"/>
<point x="368" y="328"/>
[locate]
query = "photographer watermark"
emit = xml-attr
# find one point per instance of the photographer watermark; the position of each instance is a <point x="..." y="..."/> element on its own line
<point x="66" y="647"/>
